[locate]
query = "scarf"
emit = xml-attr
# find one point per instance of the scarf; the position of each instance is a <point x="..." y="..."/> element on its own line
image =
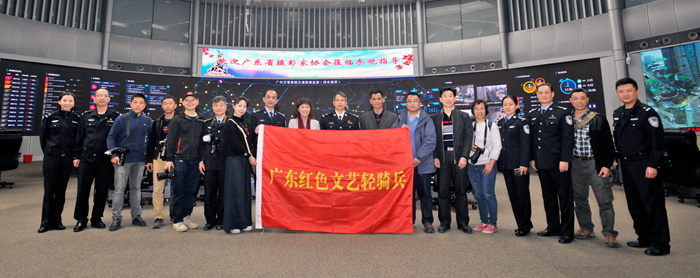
<point x="302" y="125"/>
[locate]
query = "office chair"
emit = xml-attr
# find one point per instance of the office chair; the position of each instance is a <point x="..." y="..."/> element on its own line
<point x="10" y="140"/>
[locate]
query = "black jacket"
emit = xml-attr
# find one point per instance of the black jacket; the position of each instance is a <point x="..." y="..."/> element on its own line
<point x="58" y="131"/>
<point x="159" y="130"/>
<point x="184" y="138"/>
<point x="235" y="139"/>
<point x="91" y="138"/>
<point x="639" y="135"/>
<point x="462" y="135"/>
<point x="515" y="143"/>
<point x="551" y="137"/>
<point x="330" y="121"/>
<point x="601" y="142"/>
<point x="215" y="161"/>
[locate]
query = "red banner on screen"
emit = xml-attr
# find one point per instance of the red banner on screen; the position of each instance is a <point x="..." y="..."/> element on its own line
<point x="335" y="181"/>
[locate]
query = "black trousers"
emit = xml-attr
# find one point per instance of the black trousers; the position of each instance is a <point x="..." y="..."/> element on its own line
<point x="102" y="172"/>
<point x="237" y="196"/>
<point x="646" y="203"/>
<point x="449" y="174"/>
<point x="214" y="196"/>
<point x="519" y="194"/>
<point x="558" y="196"/>
<point x="57" y="171"/>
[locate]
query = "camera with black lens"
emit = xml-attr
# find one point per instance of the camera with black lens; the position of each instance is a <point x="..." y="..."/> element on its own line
<point x="119" y="152"/>
<point x="165" y="175"/>
<point x="213" y="141"/>
<point x="475" y="157"/>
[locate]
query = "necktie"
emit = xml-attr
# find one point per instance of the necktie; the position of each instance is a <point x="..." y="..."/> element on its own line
<point x="543" y="110"/>
<point x="218" y="122"/>
<point x="272" y="115"/>
<point x="340" y="118"/>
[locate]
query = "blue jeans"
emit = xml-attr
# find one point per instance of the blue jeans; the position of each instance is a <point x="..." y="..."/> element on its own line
<point x="484" y="191"/>
<point x="421" y="184"/>
<point x="185" y="183"/>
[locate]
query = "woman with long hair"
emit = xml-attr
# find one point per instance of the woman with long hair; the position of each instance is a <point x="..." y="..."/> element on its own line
<point x="239" y="152"/>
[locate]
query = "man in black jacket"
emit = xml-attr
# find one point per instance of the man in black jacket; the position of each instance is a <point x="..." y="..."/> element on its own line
<point x="182" y="156"/>
<point x="454" y="136"/>
<point x="92" y="162"/>
<point x="592" y="159"/>
<point x="156" y="145"/>
<point x="211" y="164"/>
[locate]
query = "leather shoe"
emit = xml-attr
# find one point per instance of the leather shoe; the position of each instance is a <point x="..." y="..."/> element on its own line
<point x="653" y="251"/>
<point x="60" y="227"/>
<point x="208" y="227"/>
<point x="638" y="244"/>
<point x="467" y="229"/>
<point x="97" y="223"/>
<point x="565" y="239"/>
<point x="219" y="227"/>
<point x="443" y="228"/>
<point x="548" y="232"/>
<point x="429" y="228"/>
<point x="43" y="229"/>
<point x="80" y="226"/>
<point x="521" y="233"/>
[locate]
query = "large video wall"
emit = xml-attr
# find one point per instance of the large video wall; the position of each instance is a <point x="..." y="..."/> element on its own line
<point x="31" y="90"/>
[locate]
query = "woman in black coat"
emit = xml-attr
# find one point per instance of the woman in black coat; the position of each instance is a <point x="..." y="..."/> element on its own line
<point x="514" y="162"/>
<point x="57" y="137"/>
<point x="239" y="158"/>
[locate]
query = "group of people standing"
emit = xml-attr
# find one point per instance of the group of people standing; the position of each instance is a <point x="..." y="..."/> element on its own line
<point x="569" y="150"/>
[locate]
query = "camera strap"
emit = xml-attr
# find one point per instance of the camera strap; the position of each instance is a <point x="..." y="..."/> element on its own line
<point x="487" y="127"/>
<point x="245" y="136"/>
<point x="586" y="120"/>
<point x="128" y="125"/>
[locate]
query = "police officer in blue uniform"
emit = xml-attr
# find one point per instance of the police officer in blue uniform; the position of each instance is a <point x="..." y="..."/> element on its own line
<point x="211" y="164"/>
<point x="340" y="119"/>
<point x="514" y="162"/>
<point x="267" y="115"/>
<point x="639" y="139"/>
<point x="57" y="138"/>
<point x="92" y="162"/>
<point x="551" y="150"/>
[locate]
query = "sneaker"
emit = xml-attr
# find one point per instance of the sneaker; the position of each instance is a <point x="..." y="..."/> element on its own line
<point x="157" y="223"/>
<point x="248" y="229"/>
<point x="490" y="229"/>
<point x="180" y="227"/>
<point x="480" y="227"/>
<point x="236" y="231"/>
<point x="584" y="234"/>
<point x="138" y="221"/>
<point x="189" y="223"/>
<point x="116" y="224"/>
<point x="611" y="242"/>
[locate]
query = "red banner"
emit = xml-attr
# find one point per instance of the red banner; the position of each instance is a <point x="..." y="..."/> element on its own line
<point x="335" y="181"/>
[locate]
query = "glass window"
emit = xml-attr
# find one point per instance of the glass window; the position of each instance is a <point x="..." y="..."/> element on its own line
<point x="443" y="21"/>
<point x="171" y="21"/>
<point x="479" y="18"/>
<point x="132" y="18"/>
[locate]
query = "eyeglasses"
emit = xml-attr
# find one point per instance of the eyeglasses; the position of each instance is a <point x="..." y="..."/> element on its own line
<point x="101" y="96"/>
<point x="413" y="101"/>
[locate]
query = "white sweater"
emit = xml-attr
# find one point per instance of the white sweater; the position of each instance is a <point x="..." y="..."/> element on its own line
<point x="493" y="142"/>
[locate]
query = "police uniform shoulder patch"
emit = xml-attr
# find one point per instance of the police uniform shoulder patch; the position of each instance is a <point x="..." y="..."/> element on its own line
<point x="569" y="120"/>
<point x="560" y="107"/>
<point x="279" y="113"/>
<point x="654" y="121"/>
<point x="533" y="110"/>
<point x="647" y="109"/>
<point x="351" y="114"/>
<point x="526" y="128"/>
<point x="327" y="114"/>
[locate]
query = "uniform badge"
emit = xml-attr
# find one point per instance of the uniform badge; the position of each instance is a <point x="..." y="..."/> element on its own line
<point x="54" y="121"/>
<point x="569" y="120"/>
<point x="91" y="120"/>
<point x="526" y="128"/>
<point x="654" y="121"/>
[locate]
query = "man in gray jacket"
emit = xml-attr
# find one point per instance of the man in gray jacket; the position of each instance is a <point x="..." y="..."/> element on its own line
<point x="454" y="139"/>
<point x="377" y="118"/>
<point x="423" y="143"/>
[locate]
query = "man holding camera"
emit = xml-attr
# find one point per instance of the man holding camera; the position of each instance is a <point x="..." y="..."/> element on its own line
<point x="211" y="165"/>
<point x="92" y="163"/>
<point x="552" y="145"/>
<point x="454" y="139"/>
<point x="156" y="148"/>
<point x="128" y="140"/>
<point x="182" y="156"/>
